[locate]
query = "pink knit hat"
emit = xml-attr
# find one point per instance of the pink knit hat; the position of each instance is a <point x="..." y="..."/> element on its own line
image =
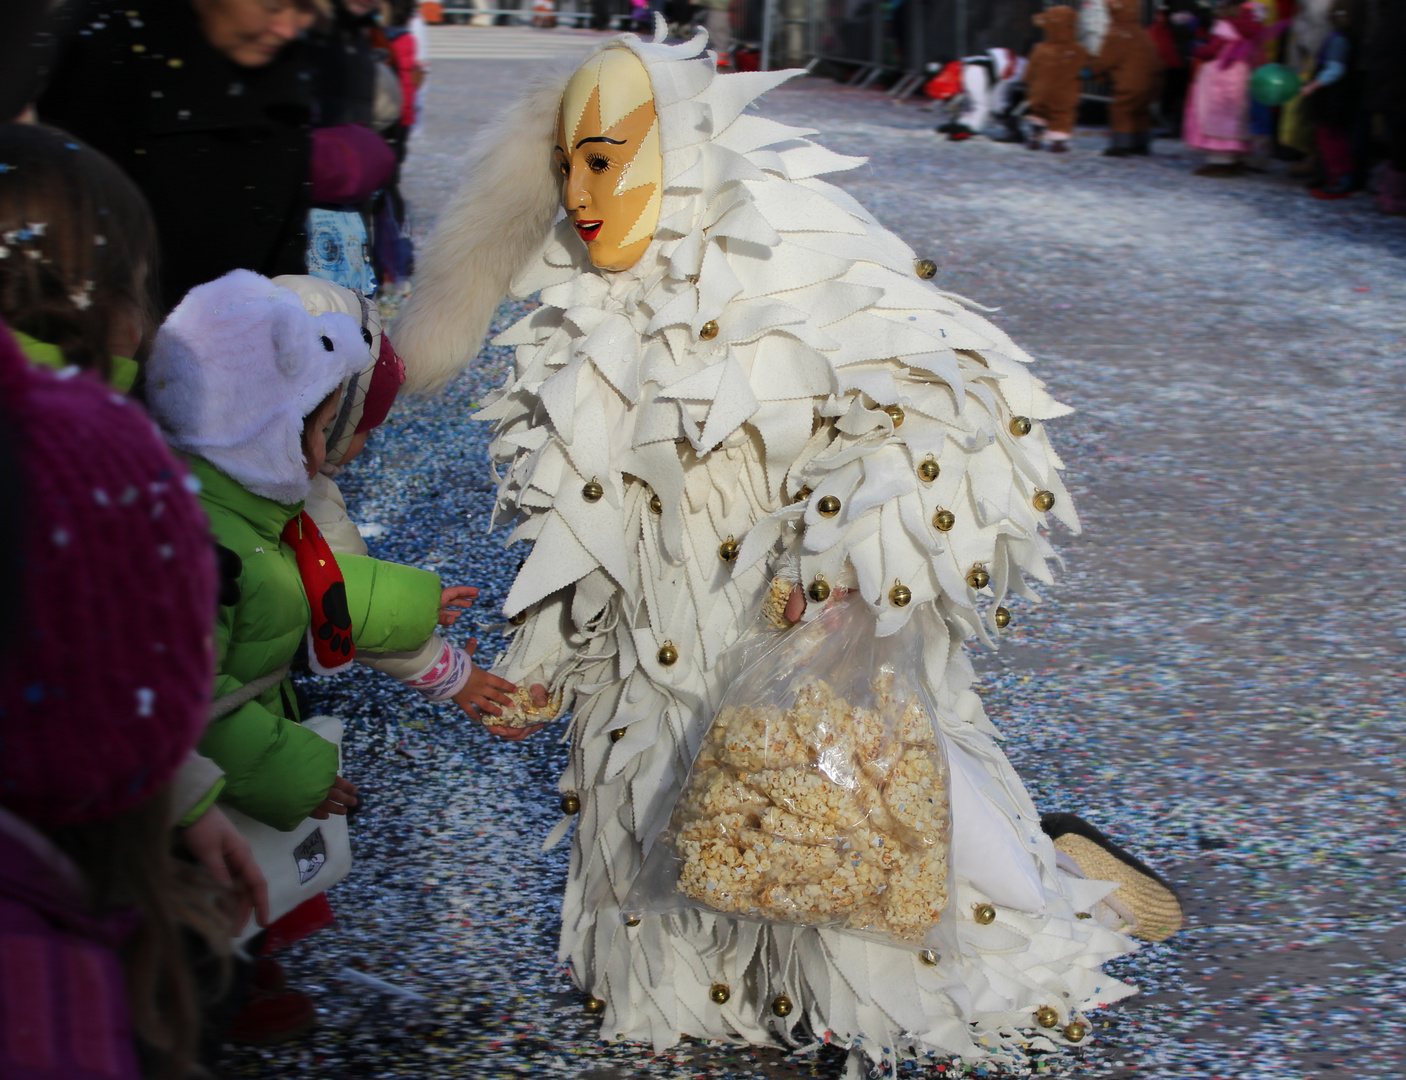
<point x="348" y="164"/>
<point x="106" y="673"/>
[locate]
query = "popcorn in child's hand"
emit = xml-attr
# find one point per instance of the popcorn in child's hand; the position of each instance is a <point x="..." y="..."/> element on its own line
<point x="523" y="713"/>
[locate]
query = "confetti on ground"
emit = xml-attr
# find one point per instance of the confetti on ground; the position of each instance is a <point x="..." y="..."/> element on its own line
<point x="1216" y="680"/>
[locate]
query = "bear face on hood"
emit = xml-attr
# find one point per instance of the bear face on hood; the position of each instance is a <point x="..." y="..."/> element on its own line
<point x="1059" y="24"/>
<point x="235" y="369"/>
<point x="1125" y="12"/>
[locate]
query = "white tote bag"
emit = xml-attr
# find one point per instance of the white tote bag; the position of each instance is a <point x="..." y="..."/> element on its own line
<point x="299" y="864"/>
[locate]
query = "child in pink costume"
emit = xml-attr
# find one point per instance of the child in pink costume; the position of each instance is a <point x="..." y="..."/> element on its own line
<point x="1217" y="116"/>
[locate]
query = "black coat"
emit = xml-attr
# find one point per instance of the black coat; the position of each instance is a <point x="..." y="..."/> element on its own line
<point x="220" y="150"/>
<point x="343" y="71"/>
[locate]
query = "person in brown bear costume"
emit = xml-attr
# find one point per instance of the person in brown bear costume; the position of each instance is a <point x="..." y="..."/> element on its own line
<point x="1052" y="79"/>
<point x="1130" y="58"/>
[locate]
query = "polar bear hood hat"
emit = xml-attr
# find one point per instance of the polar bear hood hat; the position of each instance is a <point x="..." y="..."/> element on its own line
<point x="235" y="369"/>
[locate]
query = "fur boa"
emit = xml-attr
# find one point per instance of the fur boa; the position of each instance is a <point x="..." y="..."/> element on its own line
<point x="493" y="226"/>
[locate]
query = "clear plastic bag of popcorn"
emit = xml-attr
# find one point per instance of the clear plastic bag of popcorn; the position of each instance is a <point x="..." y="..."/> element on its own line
<point x="820" y="793"/>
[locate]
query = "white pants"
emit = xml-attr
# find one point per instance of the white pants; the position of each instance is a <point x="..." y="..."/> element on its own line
<point x="984" y="95"/>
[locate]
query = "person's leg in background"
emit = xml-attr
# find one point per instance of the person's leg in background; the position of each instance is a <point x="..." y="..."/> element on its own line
<point x="977" y="88"/>
<point x="1335" y="148"/>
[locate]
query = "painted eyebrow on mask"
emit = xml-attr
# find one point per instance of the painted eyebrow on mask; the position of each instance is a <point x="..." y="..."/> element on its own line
<point x="600" y="138"/>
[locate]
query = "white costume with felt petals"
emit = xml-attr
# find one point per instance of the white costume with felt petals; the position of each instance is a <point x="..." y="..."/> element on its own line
<point x="822" y="323"/>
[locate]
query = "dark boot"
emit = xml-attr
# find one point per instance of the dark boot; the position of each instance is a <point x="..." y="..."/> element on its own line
<point x="272" y="1017"/>
<point x="1012" y="134"/>
<point x="1336" y="189"/>
<point x="1120" y="146"/>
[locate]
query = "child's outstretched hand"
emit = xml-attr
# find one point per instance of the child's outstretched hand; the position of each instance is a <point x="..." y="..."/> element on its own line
<point x="452" y="600"/>
<point x="485" y="695"/>
<point x="341" y="795"/>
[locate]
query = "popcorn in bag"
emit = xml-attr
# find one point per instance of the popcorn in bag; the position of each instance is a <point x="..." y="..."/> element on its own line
<point x="819" y="795"/>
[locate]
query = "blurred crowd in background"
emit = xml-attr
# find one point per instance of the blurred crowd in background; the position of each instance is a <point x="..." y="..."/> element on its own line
<point x="1320" y="87"/>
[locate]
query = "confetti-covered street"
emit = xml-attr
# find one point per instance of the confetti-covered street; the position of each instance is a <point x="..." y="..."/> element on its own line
<point x="1216" y="679"/>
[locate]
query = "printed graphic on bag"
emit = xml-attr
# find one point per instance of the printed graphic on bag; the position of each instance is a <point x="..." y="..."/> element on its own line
<point x="311" y="854"/>
<point x="823" y="813"/>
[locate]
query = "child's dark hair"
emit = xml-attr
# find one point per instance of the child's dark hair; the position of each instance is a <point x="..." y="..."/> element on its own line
<point x="77" y="244"/>
<point x="127" y="863"/>
<point x="399" y="12"/>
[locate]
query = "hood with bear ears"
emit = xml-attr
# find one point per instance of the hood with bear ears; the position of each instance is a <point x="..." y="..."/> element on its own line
<point x="235" y="369"/>
<point x="1059" y="24"/>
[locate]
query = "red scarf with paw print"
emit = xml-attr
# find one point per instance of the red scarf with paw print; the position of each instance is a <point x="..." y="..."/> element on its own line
<point x="330" y="646"/>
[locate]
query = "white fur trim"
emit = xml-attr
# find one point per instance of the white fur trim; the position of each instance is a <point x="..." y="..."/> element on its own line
<point x="237" y="366"/>
<point x="494" y="225"/>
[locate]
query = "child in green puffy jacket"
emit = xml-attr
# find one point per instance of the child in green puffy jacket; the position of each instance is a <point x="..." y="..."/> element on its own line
<point x="245" y="382"/>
